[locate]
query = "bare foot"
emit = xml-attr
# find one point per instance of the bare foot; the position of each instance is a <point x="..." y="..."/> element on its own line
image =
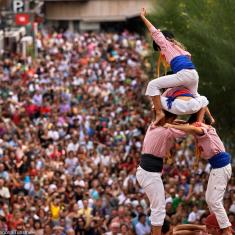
<point x="159" y="116"/>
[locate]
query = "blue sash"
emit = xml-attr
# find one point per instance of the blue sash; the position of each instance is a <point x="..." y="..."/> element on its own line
<point x="181" y="62"/>
<point x="220" y="160"/>
<point x="170" y="99"/>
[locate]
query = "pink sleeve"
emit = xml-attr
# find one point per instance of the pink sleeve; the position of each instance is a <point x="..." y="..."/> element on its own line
<point x="159" y="38"/>
<point x="205" y="131"/>
<point x="176" y="133"/>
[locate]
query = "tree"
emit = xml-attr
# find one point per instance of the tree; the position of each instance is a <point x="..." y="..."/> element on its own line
<point x="206" y="28"/>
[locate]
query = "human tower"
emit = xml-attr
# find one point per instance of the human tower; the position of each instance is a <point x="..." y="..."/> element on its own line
<point x="180" y="98"/>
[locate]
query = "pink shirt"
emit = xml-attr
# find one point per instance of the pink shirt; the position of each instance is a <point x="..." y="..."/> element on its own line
<point x="169" y="49"/>
<point x="171" y="91"/>
<point x="209" y="143"/>
<point x="160" y="140"/>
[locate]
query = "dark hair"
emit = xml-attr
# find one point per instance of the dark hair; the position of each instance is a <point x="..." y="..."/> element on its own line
<point x="141" y="215"/>
<point x="203" y="216"/>
<point x="166" y="226"/>
<point x="124" y="225"/>
<point x="169" y="115"/>
<point x="167" y="34"/>
<point x="193" y="118"/>
<point x="207" y="120"/>
<point x="81" y="219"/>
<point x="155" y="46"/>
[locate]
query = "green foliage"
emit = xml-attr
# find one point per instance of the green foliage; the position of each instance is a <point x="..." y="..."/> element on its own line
<point x="206" y="28"/>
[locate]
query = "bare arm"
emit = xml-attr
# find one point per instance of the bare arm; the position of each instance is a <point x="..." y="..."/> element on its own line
<point x="185" y="232"/>
<point x="190" y="129"/>
<point x="210" y="116"/>
<point x="179" y="121"/>
<point x="201" y="115"/>
<point x="145" y="20"/>
<point x="190" y="227"/>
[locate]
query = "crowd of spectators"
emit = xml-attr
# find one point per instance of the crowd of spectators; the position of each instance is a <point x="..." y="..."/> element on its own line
<point x="71" y="130"/>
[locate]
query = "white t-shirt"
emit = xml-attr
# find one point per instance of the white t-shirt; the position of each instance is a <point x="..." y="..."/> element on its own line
<point x="54" y="135"/>
<point x="142" y="229"/>
<point x="72" y="164"/>
<point x="193" y="216"/>
<point x="105" y="160"/>
<point x="72" y="147"/>
<point x="4" y="192"/>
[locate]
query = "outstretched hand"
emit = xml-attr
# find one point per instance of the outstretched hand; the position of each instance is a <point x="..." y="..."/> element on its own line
<point x="143" y="12"/>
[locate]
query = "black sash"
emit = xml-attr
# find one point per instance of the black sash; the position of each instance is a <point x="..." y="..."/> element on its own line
<point x="151" y="163"/>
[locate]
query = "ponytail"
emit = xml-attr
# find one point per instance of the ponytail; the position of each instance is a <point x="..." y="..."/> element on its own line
<point x="198" y="152"/>
<point x="162" y="62"/>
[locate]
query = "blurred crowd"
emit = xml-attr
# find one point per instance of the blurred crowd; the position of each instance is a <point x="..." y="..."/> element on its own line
<point x="71" y="131"/>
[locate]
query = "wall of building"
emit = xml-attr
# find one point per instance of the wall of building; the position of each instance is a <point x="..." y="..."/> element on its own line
<point x="94" y="10"/>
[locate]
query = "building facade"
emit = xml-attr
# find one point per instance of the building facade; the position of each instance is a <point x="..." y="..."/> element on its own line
<point x="91" y="14"/>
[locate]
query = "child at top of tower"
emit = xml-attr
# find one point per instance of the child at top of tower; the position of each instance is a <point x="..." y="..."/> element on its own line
<point x="184" y="72"/>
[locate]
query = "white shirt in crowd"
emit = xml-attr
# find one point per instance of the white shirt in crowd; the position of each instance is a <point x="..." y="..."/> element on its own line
<point x="73" y="147"/>
<point x="194" y="216"/>
<point x="142" y="229"/>
<point x="72" y="164"/>
<point x="5" y="193"/>
<point x="54" y="134"/>
<point x="105" y="160"/>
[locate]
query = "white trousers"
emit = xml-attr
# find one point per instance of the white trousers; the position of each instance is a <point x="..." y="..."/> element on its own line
<point x="186" y="77"/>
<point x="152" y="184"/>
<point x="182" y="107"/>
<point x="215" y="193"/>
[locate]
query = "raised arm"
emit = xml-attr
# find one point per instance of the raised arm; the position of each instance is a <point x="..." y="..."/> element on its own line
<point x="190" y="129"/>
<point x="146" y="21"/>
<point x="156" y="34"/>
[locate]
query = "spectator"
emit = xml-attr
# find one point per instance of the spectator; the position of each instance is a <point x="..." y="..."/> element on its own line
<point x="194" y="215"/>
<point x="4" y="191"/>
<point x="114" y="229"/>
<point x="142" y="227"/>
<point x="86" y="212"/>
<point x="72" y="124"/>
